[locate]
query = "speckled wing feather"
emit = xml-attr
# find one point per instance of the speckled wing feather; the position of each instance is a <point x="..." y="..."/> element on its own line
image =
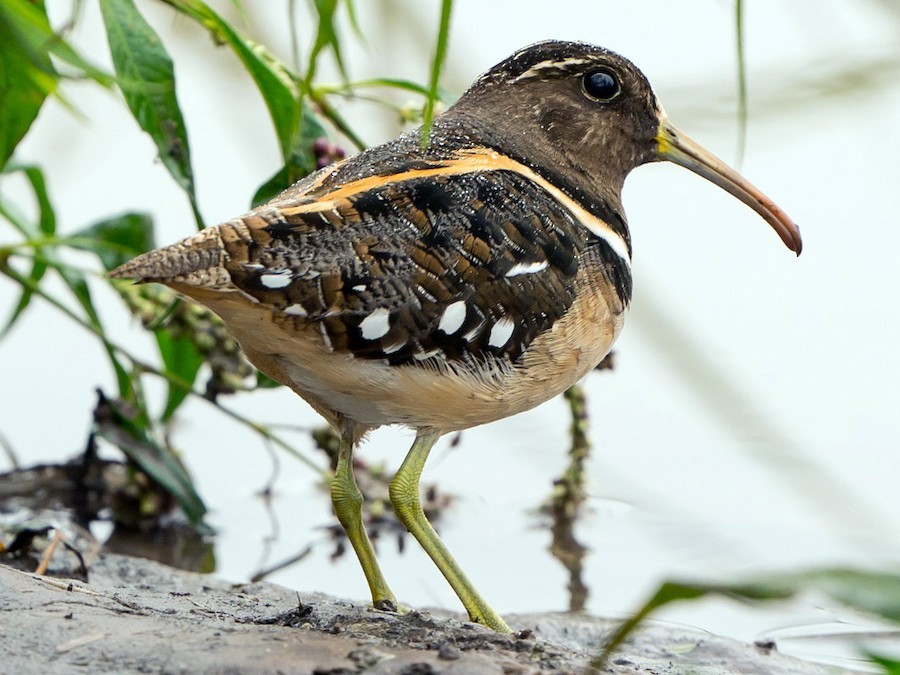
<point x="433" y="261"/>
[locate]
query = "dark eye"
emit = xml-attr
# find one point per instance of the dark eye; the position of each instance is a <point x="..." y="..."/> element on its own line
<point x="601" y="85"/>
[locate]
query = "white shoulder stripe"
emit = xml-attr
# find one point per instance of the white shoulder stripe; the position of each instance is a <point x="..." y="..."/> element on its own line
<point x="468" y="161"/>
<point x="494" y="161"/>
<point x="527" y="268"/>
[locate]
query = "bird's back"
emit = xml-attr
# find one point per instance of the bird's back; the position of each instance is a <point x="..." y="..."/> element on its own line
<point x="404" y="275"/>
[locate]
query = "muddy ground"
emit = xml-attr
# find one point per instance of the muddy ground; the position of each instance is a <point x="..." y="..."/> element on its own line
<point x="137" y="616"/>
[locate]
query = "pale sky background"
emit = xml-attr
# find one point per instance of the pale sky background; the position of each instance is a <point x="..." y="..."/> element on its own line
<point x="778" y="451"/>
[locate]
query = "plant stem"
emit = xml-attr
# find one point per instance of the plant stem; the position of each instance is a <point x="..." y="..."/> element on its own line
<point x="440" y="53"/>
<point x="259" y="428"/>
<point x="741" y="82"/>
<point x="333" y="116"/>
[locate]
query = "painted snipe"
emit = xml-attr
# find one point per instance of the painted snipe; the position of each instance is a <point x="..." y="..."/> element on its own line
<point x="447" y="284"/>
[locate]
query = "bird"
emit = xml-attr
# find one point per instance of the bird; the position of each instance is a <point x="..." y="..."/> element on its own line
<point x="451" y="277"/>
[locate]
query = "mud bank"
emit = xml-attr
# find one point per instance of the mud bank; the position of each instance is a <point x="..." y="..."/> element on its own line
<point x="139" y="616"/>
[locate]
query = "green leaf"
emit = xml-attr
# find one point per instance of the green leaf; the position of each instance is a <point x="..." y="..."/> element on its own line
<point x="27" y="76"/>
<point x="47" y="226"/>
<point x="78" y="286"/>
<point x="354" y="20"/>
<point x="46" y="214"/>
<point x="17" y="219"/>
<point x="147" y="80"/>
<point x="27" y="23"/>
<point x="326" y="36"/>
<point x="273" y="79"/>
<point x="38" y="268"/>
<point x="393" y="83"/>
<point x="296" y="125"/>
<point x="872" y="592"/>
<point x="116" y="240"/>
<point x="889" y="666"/>
<point x="302" y="161"/>
<point x="120" y="428"/>
<point x="280" y="180"/>
<point x="181" y="359"/>
<point x="263" y="381"/>
<point x="867" y="591"/>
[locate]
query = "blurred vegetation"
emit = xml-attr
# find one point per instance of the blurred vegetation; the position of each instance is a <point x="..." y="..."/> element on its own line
<point x="38" y="63"/>
<point x="875" y="593"/>
<point x="37" y="60"/>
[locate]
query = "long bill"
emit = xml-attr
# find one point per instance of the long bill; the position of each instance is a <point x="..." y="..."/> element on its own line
<point x="674" y="146"/>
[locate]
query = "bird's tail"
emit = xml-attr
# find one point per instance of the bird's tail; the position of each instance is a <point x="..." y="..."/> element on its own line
<point x="195" y="261"/>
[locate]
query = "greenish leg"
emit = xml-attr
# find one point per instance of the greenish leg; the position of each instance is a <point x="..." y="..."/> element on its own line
<point x="404" y="492"/>
<point x="347" y="501"/>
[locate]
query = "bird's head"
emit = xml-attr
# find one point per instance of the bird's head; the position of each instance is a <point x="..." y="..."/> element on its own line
<point x="590" y="113"/>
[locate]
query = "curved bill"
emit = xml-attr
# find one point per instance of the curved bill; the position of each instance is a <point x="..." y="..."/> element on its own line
<point x="674" y="146"/>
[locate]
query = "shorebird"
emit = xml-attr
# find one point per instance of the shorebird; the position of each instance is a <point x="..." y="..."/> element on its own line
<point x="447" y="282"/>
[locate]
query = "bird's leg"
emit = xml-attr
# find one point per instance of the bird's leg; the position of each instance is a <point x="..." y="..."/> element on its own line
<point x="404" y="493"/>
<point x="347" y="501"/>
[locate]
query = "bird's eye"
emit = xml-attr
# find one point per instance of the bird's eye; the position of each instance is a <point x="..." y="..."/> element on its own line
<point x="601" y="85"/>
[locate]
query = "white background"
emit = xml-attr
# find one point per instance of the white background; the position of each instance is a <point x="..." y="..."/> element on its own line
<point x="751" y="422"/>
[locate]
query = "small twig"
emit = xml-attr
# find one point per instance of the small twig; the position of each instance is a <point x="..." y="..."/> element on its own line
<point x="295" y="41"/>
<point x="351" y="87"/>
<point x="333" y="116"/>
<point x="74" y="551"/>
<point x="369" y="99"/>
<point x="266" y="495"/>
<point x="741" y="82"/>
<point x="9" y="452"/>
<point x="71" y="587"/>
<point x="276" y="469"/>
<point x="79" y="642"/>
<point x="567" y="499"/>
<point x="48" y="553"/>
<point x="571" y="494"/>
<point x="201" y="606"/>
<point x="269" y="539"/>
<point x="262" y="574"/>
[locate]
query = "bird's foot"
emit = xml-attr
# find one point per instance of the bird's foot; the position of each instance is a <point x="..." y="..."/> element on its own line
<point x="389" y="605"/>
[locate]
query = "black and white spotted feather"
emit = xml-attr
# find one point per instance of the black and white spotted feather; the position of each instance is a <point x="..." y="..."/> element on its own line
<point x="446" y="266"/>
